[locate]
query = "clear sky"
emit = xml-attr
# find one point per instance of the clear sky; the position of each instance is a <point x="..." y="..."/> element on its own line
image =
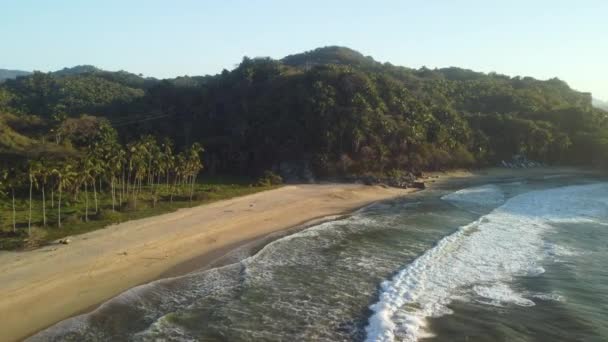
<point x="539" y="38"/>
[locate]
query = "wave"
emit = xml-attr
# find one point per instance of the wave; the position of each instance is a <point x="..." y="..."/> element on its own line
<point x="482" y="258"/>
<point x="141" y="312"/>
<point x="477" y="199"/>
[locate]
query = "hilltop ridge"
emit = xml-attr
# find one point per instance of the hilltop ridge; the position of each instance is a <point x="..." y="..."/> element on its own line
<point x="340" y="111"/>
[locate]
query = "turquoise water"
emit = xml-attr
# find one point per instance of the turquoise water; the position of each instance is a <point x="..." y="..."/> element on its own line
<point x="481" y="260"/>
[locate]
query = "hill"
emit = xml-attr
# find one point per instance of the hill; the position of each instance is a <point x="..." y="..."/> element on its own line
<point x="330" y="55"/>
<point x="332" y="108"/>
<point x="600" y="104"/>
<point x="6" y="74"/>
<point x="77" y="70"/>
<point x="48" y="95"/>
<point x="25" y="137"/>
<point x="121" y="76"/>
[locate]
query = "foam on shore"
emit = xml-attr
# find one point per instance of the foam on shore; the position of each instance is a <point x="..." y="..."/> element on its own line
<point x="481" y="259"/>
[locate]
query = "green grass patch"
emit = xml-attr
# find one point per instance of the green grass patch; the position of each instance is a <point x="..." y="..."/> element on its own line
<point x="207" y="190"/>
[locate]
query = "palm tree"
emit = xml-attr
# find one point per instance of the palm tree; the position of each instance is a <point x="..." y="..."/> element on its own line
<point x="85" y="168"/>
<point x="98" y="158"/>
<point x="3" y="181"/>
<point x="180" y="170"/>
<point x="167" y="159"/>
<point x="65" y="177"/>
<point x="52" y="189"/>
<point x="95" y="166"/>
<point x="115" y="167"/>
<point x="193" y="165"/>
<point x="132" y="152"/>
<point x="41" y="174"/>
<point x="14" y="180"/>
<point x="154" y="154"/>
<point x="31" y="172"/>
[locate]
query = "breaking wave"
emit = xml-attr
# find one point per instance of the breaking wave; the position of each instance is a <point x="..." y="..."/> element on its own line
<point x="480" y="260"/>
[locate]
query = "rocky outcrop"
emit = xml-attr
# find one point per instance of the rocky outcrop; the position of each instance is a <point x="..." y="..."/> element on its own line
<point x="404" y="181"/>
<point x="419" y="185"/>
<point x="520" y="162"/>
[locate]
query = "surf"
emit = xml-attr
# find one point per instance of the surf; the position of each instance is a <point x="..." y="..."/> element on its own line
<point x="480" y="260"/>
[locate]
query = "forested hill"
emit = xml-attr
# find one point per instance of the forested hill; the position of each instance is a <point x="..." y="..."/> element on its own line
<point x="600" y="104"/>
<point x="332" y="107"/>
<point x="6" y="74"/>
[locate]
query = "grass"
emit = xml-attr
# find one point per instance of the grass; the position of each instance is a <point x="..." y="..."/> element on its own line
<point x="207" y="190"/>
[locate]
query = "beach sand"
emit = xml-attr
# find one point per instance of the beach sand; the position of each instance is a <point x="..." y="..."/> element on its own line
<point x="41" y="287"/>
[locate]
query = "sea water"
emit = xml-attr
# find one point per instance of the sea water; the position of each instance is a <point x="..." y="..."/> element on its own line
<point x="480" y="260"/>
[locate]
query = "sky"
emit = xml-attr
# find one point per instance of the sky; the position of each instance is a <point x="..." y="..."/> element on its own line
<point x="160" y="38"/>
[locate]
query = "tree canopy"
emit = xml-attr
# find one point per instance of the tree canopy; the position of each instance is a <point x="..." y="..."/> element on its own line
<point x="333" y="107"/>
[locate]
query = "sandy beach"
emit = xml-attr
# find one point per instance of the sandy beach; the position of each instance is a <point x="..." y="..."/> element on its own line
<point x="47" y="285"/>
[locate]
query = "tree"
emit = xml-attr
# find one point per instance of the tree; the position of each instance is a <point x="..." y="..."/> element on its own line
<point x="14" y="179"/>
<point x="115" y="165"/>
<point x="343" y="112"/>
<point x="66" y="176"/>
<point x="3" y="183"/>
<point x="193" y="165"/>
<point x="31" y="173"/>
<point x="180" y="170"/>
<point x="41" y="173"/>
<point x="87" y="171"/>
<point x="167" y="160"/>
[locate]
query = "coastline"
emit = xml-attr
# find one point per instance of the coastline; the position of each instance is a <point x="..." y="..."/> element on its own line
<point x="47" y="285"/>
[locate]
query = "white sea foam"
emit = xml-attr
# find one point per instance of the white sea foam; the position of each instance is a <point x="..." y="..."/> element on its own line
<point x="556" y="251"/>
<point x="555" y="176"/>
<point x="518" y="183"/>
<point x="481" y="258"/>
<point x="500" y="294"/>
<point x="548" y="297"/>
<point x="486" y="196"/>
<point x="183" y="290"/>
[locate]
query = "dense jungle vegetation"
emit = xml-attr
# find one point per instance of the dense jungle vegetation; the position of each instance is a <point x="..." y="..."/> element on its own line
<point x="82" y="131"/>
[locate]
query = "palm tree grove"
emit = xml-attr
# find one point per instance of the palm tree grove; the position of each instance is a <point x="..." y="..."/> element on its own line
<point x="82" y="147"/>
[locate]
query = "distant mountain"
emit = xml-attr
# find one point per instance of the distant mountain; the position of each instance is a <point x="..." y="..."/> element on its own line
<point x="6" y="74"/>
<point x="330" y="55"/>
<point x="77" y="70"/>
<point x="600" y="104"/>
<point x="121" y="76"/>
<point x="334" y="107"/>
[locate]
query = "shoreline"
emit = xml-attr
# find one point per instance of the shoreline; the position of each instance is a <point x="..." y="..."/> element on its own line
<point x="314" y="204"/>
<point x="243" y="249"/>
<point x="47" y="285"/>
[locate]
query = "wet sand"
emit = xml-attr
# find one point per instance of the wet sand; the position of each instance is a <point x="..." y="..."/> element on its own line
<point x="47" y="285"/>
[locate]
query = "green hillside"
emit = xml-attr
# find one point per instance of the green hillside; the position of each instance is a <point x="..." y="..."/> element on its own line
<point x="110" y="146"/>
<point x="339" y="110"/>
<point x="6" y="74"/>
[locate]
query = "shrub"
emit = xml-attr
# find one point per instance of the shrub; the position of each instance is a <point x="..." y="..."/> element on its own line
<point x="462" y="157"/>
<point x="396" y="174"/>
<point x="440" y="159"/>
<point x="212" y="189"/>
<point x="71" y="219"/>
<point x="132" y="204"/>
<point x="108" y="215"/>
<point x="269" y="178"/>
<point x="36" y="239"/>
<point x="201" y="196"/>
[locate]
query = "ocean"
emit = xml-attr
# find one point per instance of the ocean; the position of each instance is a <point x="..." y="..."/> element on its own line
<point x="481" y="259"/>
